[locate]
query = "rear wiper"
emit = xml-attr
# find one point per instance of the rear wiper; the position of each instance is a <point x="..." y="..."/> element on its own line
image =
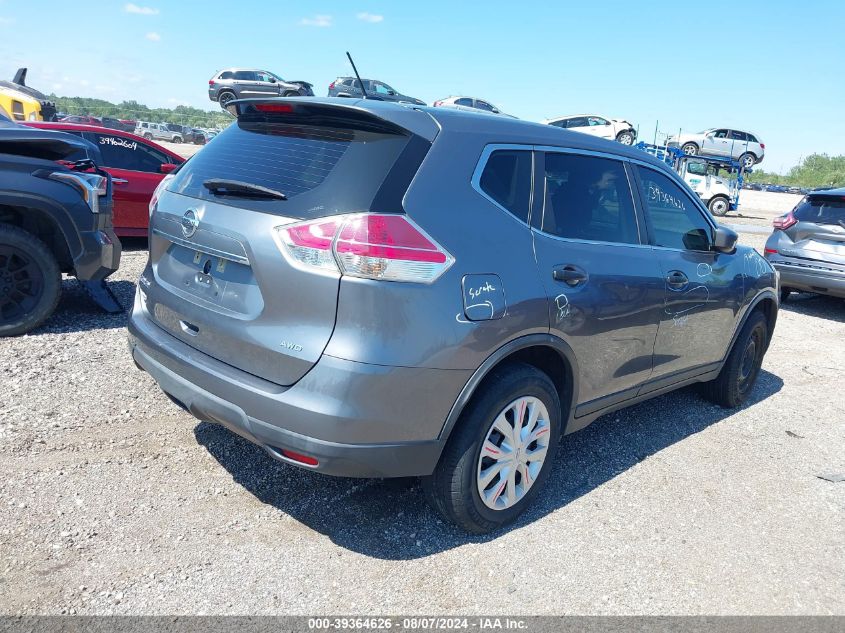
<point x="222" y="187"/>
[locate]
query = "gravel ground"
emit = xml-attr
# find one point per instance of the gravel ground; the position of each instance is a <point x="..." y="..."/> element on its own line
<point x="116" y="502"/>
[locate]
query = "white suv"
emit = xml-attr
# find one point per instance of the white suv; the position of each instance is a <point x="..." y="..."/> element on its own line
<point x="157" y="131"/>
<point x="612" y="129"/>
<point x="744" y="147"/>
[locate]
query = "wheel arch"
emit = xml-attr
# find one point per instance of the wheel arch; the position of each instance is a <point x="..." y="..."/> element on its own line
<point x="765" y="302"/>
<point x="45" y="221"/>
<point x="547" y="353"/>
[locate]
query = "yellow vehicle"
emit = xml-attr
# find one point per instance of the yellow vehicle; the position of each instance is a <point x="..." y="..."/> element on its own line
<point x="19" y="106"/>
<point x="20" y="102"/>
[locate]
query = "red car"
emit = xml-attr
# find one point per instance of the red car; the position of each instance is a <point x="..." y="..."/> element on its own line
<point x="136" y="166"/>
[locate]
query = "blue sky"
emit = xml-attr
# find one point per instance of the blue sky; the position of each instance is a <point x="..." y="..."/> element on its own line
<point x="773" y="67"/>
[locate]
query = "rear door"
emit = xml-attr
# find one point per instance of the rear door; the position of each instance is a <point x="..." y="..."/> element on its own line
<point x="738" y="143"/>
<point x="224" y="281"/>
<point x="702" y="289"/>
<point x="603" y="284"/>
<point x="244" y="82"/>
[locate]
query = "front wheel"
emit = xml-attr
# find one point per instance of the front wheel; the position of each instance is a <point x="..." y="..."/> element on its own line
<point x="733" y="384"/>
<point x="30" y="281"/>
<point x="626" y="137"/>
<point x="501" y="452"/>
<point x="719" y="205"/>
<point x="690" y="149"/>
<point x="148" y="136"/>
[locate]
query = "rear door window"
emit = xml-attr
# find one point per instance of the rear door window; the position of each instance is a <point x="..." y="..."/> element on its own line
<point x="483" y="105"/>
<point x="463" y="101"/>
<point x="245" y="75"/>
<point x="506" y="180"/>
<point x="588" y="198"/>
<point x="578" y="121"/>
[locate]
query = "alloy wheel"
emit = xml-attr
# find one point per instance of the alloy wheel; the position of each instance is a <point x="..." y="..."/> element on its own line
<point x="513" y="453"/>
<point x="21" y="283"/>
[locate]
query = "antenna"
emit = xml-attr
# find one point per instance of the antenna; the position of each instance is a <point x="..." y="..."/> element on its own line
<point x="360" y="83"/>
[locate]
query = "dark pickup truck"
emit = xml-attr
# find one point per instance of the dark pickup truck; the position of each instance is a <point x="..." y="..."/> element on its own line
<point x="55" y="217"/>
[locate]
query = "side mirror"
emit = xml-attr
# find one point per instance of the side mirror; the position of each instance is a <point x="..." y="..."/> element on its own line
<point x="392" y="93"/>
<point x="168" y="168"/>
<point x="495" y="110"/>
<point x="724" y="240"/>
<point x="272" y="80"/>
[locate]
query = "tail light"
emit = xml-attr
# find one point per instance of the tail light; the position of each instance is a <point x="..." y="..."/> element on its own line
<point x="331" y="86"/>
<point x="437" y="104"/>
<point x="770" y="251"/>
<point x="785" y="221"/>
<point x="370" y="246"/>
<point x="210" y="82"/>
<point x="762" y="146"/>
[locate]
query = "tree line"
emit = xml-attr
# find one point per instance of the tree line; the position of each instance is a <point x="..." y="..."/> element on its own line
<point x="182" y="114"/>
<point x="816" y="170"/>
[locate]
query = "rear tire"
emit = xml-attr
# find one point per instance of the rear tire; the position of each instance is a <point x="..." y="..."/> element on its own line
<point x="501" y="472"/>
<point x="626" y="137"/>
<point x="30" y="281"/>
<point x="690" y="149"/>
<point x="748" y="160"/>
<point x="736" y="380"/>
<point x="719" y="205"/>
<point x="224" y="98"/>
<point x="148" y="136"/>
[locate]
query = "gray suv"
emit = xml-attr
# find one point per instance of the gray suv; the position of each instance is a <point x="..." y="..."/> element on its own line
<point x="403" y="291"/>
<point x="243" y="83"/>
<point x="376" y="90"/>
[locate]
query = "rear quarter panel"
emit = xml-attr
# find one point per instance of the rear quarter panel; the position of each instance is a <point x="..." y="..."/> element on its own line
<point x="423" y="325"/>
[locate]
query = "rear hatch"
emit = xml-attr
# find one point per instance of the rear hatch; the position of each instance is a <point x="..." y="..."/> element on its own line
<point x="819" y="233"/>
<point x="222" y="283"/>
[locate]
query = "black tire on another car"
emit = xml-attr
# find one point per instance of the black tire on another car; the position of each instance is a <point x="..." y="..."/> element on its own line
<point x="784" y="294"/>
<point x="733" y="384"/>
<point x="626" y="137"/>
<point x="148" y="136"/>
<point x="292" y="93"/>
<point x="719" y="205"/>
<point x="748" y="160"/>
<point x="454" y="487"/>
<point x="30" y="281"/>
<point x="690" y="149"/>
<point x="176" y="139"/>
<point x="225" y="97"/>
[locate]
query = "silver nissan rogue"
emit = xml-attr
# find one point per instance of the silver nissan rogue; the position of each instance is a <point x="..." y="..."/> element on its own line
<point x="376" y="290"/>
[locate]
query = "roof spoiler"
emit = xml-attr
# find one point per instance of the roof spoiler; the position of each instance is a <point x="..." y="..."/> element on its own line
<point x="368" y="115"/>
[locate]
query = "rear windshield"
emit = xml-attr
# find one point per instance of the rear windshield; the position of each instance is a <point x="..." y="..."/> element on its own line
<point x="821" y="209"/>
<point x="321" y="170"/>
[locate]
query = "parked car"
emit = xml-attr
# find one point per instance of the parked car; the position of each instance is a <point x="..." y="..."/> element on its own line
<point x="611" y="129"/>
<point x="742" y="146"/>
<point x="53" y="220"/>
<point x="185" y="132"/>
<point x="136" y="165"/>
<point x="469" y="104"/>
<point x="83" y="120"/>
<point x="316" y="303"/>
<point x="199" y="136"/>
<point x="241" y="83"/>
<point x="110" y="122"/>
<point x="158" y="132"/>
<point x="807" y="246"/>
<point x="376" y="90"/>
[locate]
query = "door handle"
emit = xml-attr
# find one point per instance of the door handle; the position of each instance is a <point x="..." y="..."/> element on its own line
<point x="570" y="275"/>
<point x="677" y="280"/>
<point x="119" y="181"/>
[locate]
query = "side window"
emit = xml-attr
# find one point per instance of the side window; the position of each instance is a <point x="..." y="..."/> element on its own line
<point x="463" y="101"/>
<point x="245" y="75"/>
<point x="381" y="89"/>
<point x="738" y="136"/>
<point x="676" y="221"/>
<point x="597" y="120"/>
<point x="752" y="138"/>
<point x="226" y="75"/>
<point x="577" y="121"/>
<point x="588" y="198"/>
<point x="721" y="134"/>
<point x="265" y="77"/>
<point x="560" y="123"/>
<point x="483" y="105"/>
<point x="124" y="153"/>
<point x="507" y="180"/>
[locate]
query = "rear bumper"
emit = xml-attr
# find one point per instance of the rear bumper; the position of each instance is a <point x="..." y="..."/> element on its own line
<point x="357" y="420"/>
<point x="810" y="280"/>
